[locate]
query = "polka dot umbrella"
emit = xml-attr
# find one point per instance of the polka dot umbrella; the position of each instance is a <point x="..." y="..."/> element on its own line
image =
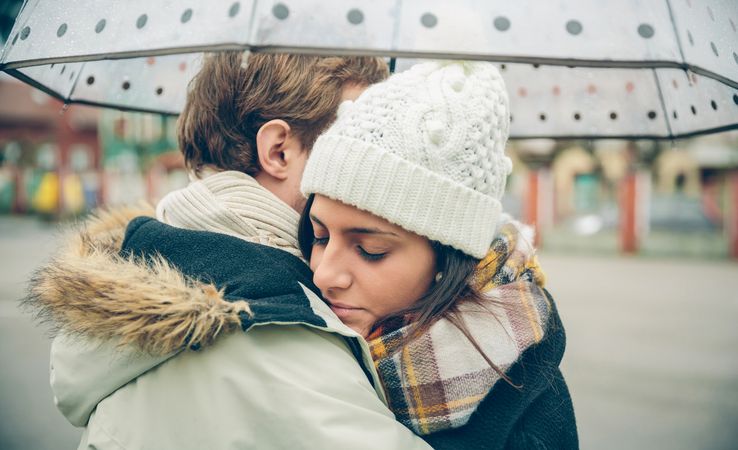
<point x="574" y="68"/>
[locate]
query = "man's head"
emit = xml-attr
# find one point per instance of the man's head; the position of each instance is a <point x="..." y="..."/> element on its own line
<point x="261" y="115"/>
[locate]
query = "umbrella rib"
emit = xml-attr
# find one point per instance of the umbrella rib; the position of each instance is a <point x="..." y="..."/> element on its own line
<point x="252" y="25"/>
<point x="76" y="80"/>
<point x="676" y="31"/>
<point x="396" y="25"/>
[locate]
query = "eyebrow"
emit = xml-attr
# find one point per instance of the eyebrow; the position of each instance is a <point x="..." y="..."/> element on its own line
<point x="357" y="230"/>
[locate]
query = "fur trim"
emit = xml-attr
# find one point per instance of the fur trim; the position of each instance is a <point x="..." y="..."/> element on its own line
<point x="89" y="289"/>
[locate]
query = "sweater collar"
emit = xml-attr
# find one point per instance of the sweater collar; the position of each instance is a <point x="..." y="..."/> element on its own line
<point x="232" y="203"/>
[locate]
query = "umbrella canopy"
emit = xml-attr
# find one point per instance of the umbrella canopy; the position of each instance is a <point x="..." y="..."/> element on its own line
<point x="627" y="68"/>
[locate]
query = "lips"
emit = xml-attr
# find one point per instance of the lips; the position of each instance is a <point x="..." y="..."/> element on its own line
<point x="342" y="310"/>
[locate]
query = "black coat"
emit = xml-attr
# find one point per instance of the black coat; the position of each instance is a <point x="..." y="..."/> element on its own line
<point x="537" y="415"/>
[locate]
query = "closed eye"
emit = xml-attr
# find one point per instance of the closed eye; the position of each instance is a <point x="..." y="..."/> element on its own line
<point x="370" y="256"/>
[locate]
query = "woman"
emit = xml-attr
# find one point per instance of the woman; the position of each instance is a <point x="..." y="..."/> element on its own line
<point x="404" y="233"/>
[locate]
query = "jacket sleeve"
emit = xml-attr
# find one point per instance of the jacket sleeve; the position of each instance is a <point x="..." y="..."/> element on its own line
<point x="286" y="386"/>
<point x="538" y="414"/>
<point x="83" y="371"/>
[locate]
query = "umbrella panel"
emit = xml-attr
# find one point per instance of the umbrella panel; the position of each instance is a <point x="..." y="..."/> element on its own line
<point x="545" y="101"/>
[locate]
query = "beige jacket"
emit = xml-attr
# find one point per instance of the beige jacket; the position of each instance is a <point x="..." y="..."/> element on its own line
<point x="118" y="368"/>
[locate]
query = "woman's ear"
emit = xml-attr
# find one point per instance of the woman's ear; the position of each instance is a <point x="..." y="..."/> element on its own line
<point x="276" y="147"/>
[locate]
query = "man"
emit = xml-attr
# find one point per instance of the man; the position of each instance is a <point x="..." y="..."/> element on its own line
<point x="126" y="365"/>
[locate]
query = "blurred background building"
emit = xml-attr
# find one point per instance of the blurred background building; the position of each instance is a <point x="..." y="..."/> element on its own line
<point x="59" y="162"/>
<point x="662" y="198"/>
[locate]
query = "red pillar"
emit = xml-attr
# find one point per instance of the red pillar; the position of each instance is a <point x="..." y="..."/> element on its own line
<point x="628" y="211"/>
<point x="732" y="225"/>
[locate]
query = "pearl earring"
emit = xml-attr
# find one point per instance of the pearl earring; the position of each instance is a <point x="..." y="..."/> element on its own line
<point x="439" y="276"/>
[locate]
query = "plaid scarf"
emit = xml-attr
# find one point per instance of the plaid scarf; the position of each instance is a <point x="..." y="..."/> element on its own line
<point x="437" y="381"/>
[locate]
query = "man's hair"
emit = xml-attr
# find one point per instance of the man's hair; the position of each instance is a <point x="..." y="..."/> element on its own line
<point x="230" y="99"/>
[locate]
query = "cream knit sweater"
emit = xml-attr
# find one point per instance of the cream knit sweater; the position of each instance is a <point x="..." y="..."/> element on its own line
<point x="232" y="203"/>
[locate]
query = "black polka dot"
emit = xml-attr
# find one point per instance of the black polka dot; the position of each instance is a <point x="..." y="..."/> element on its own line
<point x="735" y="57"/>
<point x="735" y="99"/>
<point x="100" y="26"/>
<point x="652" y="115"/>
<point x="141" y="21"/>
<point x="90" y="80"/>
<point x="713" y="103"/>
<point x="429" y="20"/>
<point x="159" y="90"/>
<point x="25" y="32"/>
<point x="613" y="115"/>
<point x="542" y="117"/>
<point x="281" y="11"/>
<point x="502" y="23"/>
<point x="675" y="115"/>
<point x="126" y="85"/>
<point x="574" y="27"/>
<point x="234" y="9"/>
<point x="536" y="65"/>
<point x="694" y="110"/>
<point x="61" y="30"/>
<point x="714" y="48"/>
<point x="577" y="116"/>
<point x="71" y="75"/>
<point x="355" y="16"/>
<point x="186" y="15"/>
<point x="645" y="31"/>
<point x="503" y="67"/>
<point x="689" y="38"/>
<point x="15" y="39"/>
<point x="63" y="69"/>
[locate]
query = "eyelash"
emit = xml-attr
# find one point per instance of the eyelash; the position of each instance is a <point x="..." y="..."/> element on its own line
<point x="371" y="257"/>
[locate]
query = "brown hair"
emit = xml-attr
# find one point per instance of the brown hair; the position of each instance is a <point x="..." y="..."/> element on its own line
<point x="228" y="101"/>
<point x="441" y="300"/>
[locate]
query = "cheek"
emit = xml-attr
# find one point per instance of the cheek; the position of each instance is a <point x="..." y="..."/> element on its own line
<point x="397" y="286"/>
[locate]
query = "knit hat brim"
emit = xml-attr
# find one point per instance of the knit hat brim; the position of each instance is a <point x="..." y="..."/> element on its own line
<point x="406" y="194"/>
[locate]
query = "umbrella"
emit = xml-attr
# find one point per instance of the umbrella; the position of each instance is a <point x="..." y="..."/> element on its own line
<point x="574" y="68"/>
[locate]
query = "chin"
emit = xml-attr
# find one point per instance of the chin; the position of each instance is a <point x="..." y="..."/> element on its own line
<point x="362" y="329"/>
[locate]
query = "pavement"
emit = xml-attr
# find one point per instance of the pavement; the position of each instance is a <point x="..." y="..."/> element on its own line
<point x="651" y="362"/>
<point x="652" y="350"/>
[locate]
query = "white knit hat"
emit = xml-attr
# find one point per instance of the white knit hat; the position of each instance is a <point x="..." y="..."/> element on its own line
<point x="424" y="150"/>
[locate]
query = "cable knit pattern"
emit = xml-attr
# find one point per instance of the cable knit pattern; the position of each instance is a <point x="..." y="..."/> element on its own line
<point x="232" y="203"/>
<point x="424" y="150"/>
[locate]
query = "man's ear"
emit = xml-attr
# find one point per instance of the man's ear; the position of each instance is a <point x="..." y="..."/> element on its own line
<point x="276" y="145"/>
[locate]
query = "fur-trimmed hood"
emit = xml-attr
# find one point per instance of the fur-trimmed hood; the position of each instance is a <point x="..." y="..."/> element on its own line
<point x="88" y="288"/>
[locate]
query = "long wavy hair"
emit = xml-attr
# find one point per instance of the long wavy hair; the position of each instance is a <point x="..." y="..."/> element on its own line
<point x="443" y="297"/>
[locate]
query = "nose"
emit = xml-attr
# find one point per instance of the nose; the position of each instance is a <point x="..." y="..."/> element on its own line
<point x="331" y="272"/>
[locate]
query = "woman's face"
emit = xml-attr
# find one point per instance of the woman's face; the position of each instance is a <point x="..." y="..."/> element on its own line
<point x="366" y="267"/>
